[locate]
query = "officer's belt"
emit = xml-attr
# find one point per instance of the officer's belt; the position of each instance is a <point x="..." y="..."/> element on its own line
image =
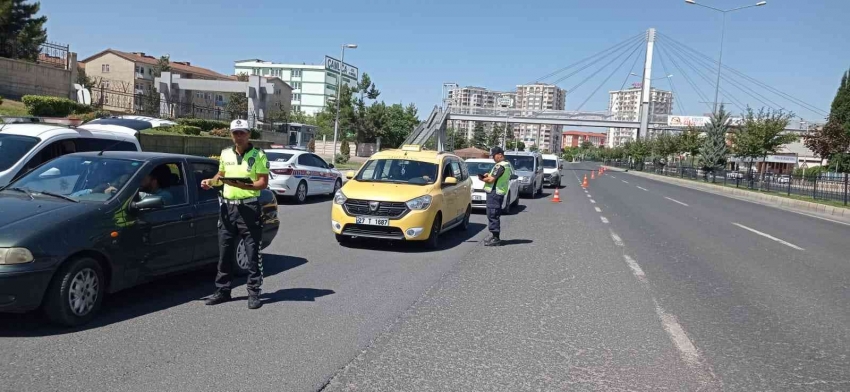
<point x="239" y="201"/>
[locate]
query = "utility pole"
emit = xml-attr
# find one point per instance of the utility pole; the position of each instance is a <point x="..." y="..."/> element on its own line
<point x="646" y="92"/>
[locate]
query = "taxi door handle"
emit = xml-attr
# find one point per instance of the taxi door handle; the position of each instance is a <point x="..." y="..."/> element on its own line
<point x="186" y="217"/>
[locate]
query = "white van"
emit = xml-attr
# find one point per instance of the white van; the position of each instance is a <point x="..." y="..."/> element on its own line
<point x="552" y="166"/>
<point x="24" y="146"/>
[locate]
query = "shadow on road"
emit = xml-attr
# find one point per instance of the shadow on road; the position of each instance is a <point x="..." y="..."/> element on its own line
<point x="292" y="295"/>
<point x="515" y="242"/>
<point x="448" y="240"/>
<point x="147" y="298"/>
<point x="316" y="199"/>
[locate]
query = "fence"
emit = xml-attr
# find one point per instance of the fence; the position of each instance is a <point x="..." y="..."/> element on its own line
<point x="48" y="71"/>
<point x="832" y="187"/>
<point x="152" y="105"/>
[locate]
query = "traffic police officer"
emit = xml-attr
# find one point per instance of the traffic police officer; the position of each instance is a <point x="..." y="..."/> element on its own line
<point x="497" y="183"/>
<point x="240" y="215"/>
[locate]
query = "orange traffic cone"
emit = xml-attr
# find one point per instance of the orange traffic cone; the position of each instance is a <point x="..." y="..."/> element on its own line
<point x="592" y="176"/>
<point x="584" y="183"/>
<point x="557" y="197"/>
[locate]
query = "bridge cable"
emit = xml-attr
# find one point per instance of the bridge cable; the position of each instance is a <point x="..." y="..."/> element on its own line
<point x="687" y="78"/>
<point x="632" y="69"/>
<point x="798" y="101"/>
<point x="639" y="42"/>
<point x="602" y="68"/>
<point x="614" y="47"/>
<point x="747" y="90"/>
<point x="672" y="87"/>
<point x="640" y="47"/>
<point x="726" y="94"/>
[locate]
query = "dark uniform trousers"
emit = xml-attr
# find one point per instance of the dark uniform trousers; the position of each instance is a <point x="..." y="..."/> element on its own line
<point x="494" y="211"/>
<point x="240" y="221"/>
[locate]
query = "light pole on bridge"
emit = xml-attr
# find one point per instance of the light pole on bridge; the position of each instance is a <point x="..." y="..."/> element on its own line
<point x="722" y="36"/>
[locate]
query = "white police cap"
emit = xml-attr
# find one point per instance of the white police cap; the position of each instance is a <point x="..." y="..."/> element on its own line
<point x="239" y="125"/>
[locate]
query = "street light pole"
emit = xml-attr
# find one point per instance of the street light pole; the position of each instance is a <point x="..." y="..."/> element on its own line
<point x="722" y="38"/>
<point x="338" y="91"/>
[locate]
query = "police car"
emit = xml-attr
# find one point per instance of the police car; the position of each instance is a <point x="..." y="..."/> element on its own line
<point x="298" y="174"/>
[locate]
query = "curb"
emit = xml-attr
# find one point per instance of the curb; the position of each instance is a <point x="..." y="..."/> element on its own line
<point x="782" y="203"/>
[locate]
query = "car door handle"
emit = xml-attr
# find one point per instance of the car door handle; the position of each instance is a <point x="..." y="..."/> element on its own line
<point x="186" y="217"/>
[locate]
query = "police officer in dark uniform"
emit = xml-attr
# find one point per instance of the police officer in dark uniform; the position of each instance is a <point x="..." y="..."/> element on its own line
<point x="496" y="186"/>
<point x="241" y="213"/>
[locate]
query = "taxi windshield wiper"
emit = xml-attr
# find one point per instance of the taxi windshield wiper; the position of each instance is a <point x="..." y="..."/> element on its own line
<point x="23" y="190"/>
<point x="59" y="196"/>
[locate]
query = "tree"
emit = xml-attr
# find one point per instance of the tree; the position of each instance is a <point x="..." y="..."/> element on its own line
<point x="242" y="76"/>
<point x="456" y="139"/>
<point x="311" y="146"/>
<point x="762" y="134"/>
<point x="534" y="148"/>
<point x="83" y="79"/>
<point x="150" y="103"/>
<point x="714" y="148"/>
<point x="494" y="137"/>
<point x="21" y="33"/>
<point x="586" y="145"/>
<point x="479" y="137"/>
<point x="689" y="142"/>
<point x="515" y="144"/>
<point x="163" y="65"/>
<point x="237" y="105"/>
<point x="832" y="141"/>
<point x="638" y="150"/>
<point x="662" y="147"/>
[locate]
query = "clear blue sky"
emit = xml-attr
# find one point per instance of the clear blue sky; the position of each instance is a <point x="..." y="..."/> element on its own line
<point x="410" y="48"/>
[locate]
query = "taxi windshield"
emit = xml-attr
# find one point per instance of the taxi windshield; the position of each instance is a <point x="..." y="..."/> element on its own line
<point x="79" y="178"/>
<point x="403" y="171"/>
<point x="476" y="168"/>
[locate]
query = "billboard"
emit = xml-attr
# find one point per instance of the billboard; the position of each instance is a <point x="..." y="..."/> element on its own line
<point x="335" y="65"/>
<point x="697" y="121"/>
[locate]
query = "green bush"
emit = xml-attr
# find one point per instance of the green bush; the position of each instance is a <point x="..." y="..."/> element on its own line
<point x="312" y="145"/>
<point x="220" y="132"/>
<point x="344" y="149"/>
<point x="256" y="134"/>
<point x="811" y="172"/>
<point x="341" y="159"/>
<point x="95" y="115"/>
<point x="180" y="130"/>
<point x="205" y="125"/>
<point x="38" y="105"/>
<point x="1" y="100"/>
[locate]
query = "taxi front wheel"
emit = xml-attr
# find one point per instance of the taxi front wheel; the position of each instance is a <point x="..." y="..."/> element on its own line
<point x="433" y="241"/>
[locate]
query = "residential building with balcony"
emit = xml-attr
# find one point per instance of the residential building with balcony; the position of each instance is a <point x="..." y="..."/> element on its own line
<point x="624" y="105"/>
<point x="470" y="100"/>
<point x="531" y="98"/>
<point x="313" y="86"/>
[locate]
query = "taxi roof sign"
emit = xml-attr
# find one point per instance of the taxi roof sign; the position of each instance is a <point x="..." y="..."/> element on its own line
<point x="411" y="147"/>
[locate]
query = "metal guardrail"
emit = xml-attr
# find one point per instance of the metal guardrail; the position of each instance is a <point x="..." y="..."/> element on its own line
<point x="835" y="188"/>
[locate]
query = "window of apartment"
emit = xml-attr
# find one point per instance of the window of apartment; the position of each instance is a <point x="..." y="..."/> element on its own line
<point x="219" y="97"/>
<point x="296" y="97"/>
<point x="296" y="108"/>
<point x="296" y="73"/>
<point x="104" y="68"/>
<point x="208" y="96"/>
<point x="296" y="85"/>
<point x="199" y="94"/>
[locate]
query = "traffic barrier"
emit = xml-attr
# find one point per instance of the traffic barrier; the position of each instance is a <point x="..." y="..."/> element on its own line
<point x="557" y="197"/>
<point x="584" y="183"/>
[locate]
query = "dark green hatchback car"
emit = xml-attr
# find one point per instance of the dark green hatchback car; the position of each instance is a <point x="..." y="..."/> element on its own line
<point x="87" y="224"/>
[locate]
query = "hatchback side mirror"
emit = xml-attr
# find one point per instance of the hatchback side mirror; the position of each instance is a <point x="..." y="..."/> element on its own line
<point x="148" y="203"/>
<point x="331" y="165"/>
<point x="514" y="176"/>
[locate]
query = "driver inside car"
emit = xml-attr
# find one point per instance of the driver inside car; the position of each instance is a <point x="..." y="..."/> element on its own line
<point x="155" y="183"/>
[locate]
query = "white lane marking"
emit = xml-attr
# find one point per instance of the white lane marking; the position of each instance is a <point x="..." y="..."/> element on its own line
<point x="783" y="242"/>
<point x="588" y="195"/>
<point x="604" y="219"/>
<point x="677" y="334"/>
<point x="613" y="177"/>
<point x="598" y="209"/>
<point x="617" y="240"/>
<point x="642" y="188"/>
<point x="624" y="181"/>
<point x="675" y="201"/>
<point x="635" y="268"/>
<point x="593" y="201"/>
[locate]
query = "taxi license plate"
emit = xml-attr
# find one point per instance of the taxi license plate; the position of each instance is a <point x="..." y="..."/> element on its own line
<point x="373" y="221"/>
<point x="477" y="197"/>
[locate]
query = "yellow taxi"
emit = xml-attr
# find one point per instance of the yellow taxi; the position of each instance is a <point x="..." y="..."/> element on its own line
<point x="409" y="194"/>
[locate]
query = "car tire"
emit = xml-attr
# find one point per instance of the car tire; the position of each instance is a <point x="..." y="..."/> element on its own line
<point x="516" y="202"/>
<point x="76" y="292"/>
<point x="240" y="259"/>
<point x="301" y="193"/>
<point x="337" y="185"/>
<point x="509" y="206"/>
<point x="465" y="224"/>
<point x="433" y="241"/>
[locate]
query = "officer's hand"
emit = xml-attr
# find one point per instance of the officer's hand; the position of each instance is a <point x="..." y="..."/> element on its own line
<point x="206" y="184"/>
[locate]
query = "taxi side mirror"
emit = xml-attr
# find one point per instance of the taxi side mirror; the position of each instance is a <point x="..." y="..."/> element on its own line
<point x="349" y="174"/>
<point x="450" y="181"/>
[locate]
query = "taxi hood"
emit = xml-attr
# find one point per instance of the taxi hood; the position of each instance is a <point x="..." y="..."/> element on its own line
<point x="384" y="191"/>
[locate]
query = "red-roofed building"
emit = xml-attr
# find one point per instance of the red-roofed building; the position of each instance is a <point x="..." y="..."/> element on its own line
<point x="576" y="138"/>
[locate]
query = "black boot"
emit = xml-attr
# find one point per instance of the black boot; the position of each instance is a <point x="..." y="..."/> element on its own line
<point x="254" y="302"/>
<point x="219" y="297"/>
<point x="493" y="241"/>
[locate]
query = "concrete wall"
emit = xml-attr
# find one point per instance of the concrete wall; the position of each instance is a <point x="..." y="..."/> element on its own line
<point x="325" y="148"/>
<point x="19" y="78"/>
<point x="191" y="145"/>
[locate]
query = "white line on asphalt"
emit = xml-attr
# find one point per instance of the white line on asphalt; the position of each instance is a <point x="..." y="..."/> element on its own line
<point x="635" y="268"/>
<point x="613" y="176"/>
<point x="604" y="219"/>
<point x="588" y="195"/>
<point x="675" y="201"/>
<point x="593" y="201"/>
<point x="624" y="181"/>
<point x="598" y="209"/>
<point x="783" y="242"/>
<point x="642" y="188"/>
<point x="617" y="240"/>
<point x="677" y="334"/>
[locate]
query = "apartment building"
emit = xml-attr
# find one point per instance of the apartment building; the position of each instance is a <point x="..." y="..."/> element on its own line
<point x="470" y="99"/>
<point x="625" y="106"/>
<point x="313" y="86"/>
<point x="536" y="97"/>
<point x="123" y="80"/>
<point x="576" y="138"/>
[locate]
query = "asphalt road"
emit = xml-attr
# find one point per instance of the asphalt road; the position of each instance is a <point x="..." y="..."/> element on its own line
<point x="616" y="288"/>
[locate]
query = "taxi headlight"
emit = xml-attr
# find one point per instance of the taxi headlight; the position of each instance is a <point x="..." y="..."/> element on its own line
<point x="339" y="197"/>
<point x="419" y="203"/>
<point x="15" y="256"/>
